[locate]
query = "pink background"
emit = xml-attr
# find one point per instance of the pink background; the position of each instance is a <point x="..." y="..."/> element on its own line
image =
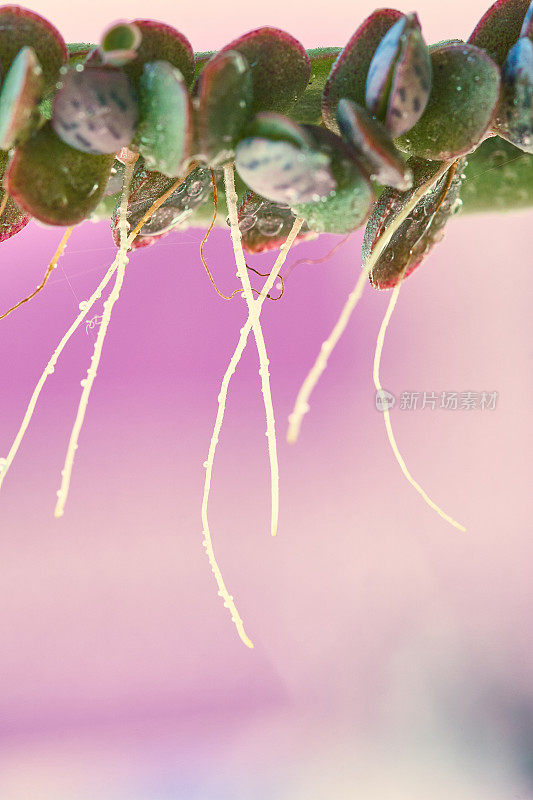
<point x="393" y="657"/>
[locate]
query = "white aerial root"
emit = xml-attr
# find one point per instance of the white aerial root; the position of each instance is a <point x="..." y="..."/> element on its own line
<point x="386" y="414"/>
<point x="301" y="406"/>
<point x="241" y="344"/>
<point x="121" y="262"/>
<point x="253" y="309"/>
<point x="5" y="463"/>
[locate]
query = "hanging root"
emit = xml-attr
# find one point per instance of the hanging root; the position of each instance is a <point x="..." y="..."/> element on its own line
<point x="50" y="268"/>
<point x="377" y="361"/>
<point x="85" y="309"/>
<point x="253" y="310"/>
<point x="386" y="414"/>
<point x="301" y="406"/>
<point x="122" y="260"/>
<point x="241" y="344"/>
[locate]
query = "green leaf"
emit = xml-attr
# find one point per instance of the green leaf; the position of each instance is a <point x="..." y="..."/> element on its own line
<point x="498" y="179"/>
<point x="224" y="103"/>
<point x="55" y="183"/>
<point x="499" y="28"/>
<point x="20" y="28"/>
<point x="464" y="95"/>
<point x="165" y="131"/>
<point x="161" y="42"/>
<point x="349" y="72"/>
<point x="348" y="206"/>
<point x="279" y="64"/>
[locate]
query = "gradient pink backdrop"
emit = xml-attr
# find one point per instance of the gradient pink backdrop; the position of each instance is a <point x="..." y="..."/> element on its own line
<point x="393" y="655"/>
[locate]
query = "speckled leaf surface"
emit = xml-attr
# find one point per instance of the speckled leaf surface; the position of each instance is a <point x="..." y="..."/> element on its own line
<point x="372" y="146"/>
<point x="464" y="95"/>
<point x="499" y="28"/>
<point x="95" y="110"/>
<point x="422" y="229"/>
<point x="349" y="72"/>
<point x="55" y="183"/>
<point x="165" y="131"/>
<point x="279" y="64"/>
<point x="224" y="104"/>
<point x="161" y="42"/>
<point x="20" y="28"/>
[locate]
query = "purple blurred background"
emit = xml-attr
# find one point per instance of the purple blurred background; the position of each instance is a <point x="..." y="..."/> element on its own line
<point x="393" y="656"/>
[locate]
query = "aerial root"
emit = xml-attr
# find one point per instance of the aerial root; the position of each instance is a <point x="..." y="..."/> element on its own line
<point x="85" y="309"/>
<point x="253" y="307"/>
<point x="386" y="414"/>
<point x="235" y="358"/>
<point x="87" y="383"/>
<point x="301" y="406"/>
<point x="50" y="268"/>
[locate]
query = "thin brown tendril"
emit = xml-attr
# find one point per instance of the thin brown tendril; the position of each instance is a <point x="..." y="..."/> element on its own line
<point x="50" y="268"/>
<point x="318" y="260"/>
<point x="204" y="262"/>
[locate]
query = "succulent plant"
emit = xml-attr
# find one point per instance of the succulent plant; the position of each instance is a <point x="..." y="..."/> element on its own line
<point x="282" y="143"/>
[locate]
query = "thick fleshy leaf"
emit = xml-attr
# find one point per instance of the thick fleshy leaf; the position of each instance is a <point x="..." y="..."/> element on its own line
<point x="120" y="43"/>
<point x="464" y="95"/>
<point x="499" y="28"/>
<point x="161" y="42"/>
<point x="399" y="77"/>
<point x="515" y="113"/>
<point x="165" y="130"/>
<point x="21" y="92"/>
<point x="282" y="172"/>
<point x="349" y="72"/>
<point x="147" y="186"/>
<point x="20" y="28"/>
<point x="55" y="183"/>
<point x="279" y="64"/>
<point x="373" y="146"/>
<point x="422" y="229"/>
<point x="308" y="109"/>
<point x="95" y="110"/>
<point x="265" y="225"/>
<point x="347" y="207"/>
<point x="224" y="104"/>
<point x="498" y="178"/>
<point x="13" y="219"/>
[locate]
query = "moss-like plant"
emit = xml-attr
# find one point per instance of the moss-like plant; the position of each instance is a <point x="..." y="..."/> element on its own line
<point x="281" y="143"/>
